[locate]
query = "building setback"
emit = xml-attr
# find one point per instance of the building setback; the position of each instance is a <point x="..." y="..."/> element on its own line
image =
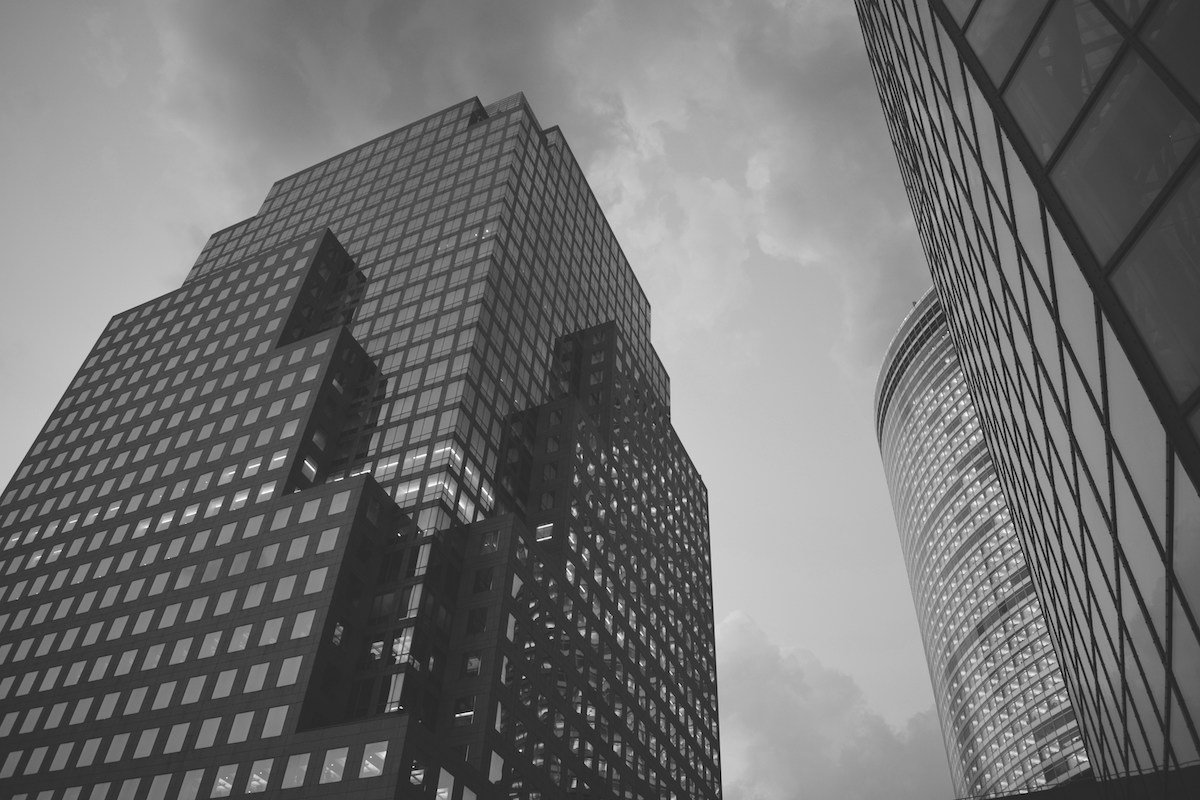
<point x="1049" y="150"/>
<point x="383" y="502"/>
<point x="1002" y="703"/>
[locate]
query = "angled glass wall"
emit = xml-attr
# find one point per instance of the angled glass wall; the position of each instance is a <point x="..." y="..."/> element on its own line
<point x="1048" y="151"/>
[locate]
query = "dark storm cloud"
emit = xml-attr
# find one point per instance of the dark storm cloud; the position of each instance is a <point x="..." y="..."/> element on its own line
<point x="793" y="728"/>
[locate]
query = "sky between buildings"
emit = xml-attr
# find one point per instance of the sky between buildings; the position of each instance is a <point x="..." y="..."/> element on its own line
<point x="741" y="157"/>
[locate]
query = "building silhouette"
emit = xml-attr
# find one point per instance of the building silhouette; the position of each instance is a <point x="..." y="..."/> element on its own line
<point x="1049" y="151"/>
<point x="384" y="501"/>
<point x="1006" y="719"/>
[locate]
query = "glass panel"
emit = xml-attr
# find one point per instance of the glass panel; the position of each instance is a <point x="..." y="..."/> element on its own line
<point x="335" y="764"/>
<point x="293" y="775"/>
<point x="1159" y="285"/>
<point x="260" y="776"/>
<point x="374" y="756"/>
<point x="1186" y="655"/>
<point x="1126" y="149"/>
<point x="1172" y="34"/>
<point x="1138" y="435"/>
<point x="998" y="30"/>
<point x="1186" y="552"/>
<point x="1076" y="310"/>
<point x="1059" y="72"/>
<point x="959" y="9"/>
<point x="223" y="782"/>
<point x="1129" y="9"/>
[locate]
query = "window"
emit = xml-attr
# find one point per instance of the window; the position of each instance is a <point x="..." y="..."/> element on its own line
<point x="274" y="722"/>
<point x="334" y="765"/>
<point x="260" y="776"/>
<point x="464" y="711"/>
<point x="303" y="625"/>
<point x="374" y="757"/>
<point x="239" y="731"/>
<point x="223" y="782"/>
<point x="293" y="773"/>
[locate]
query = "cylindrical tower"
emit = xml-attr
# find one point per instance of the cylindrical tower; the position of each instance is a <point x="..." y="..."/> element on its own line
<point x="1005" y="715"/>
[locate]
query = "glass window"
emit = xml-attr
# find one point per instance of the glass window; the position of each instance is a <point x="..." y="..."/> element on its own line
<point x="145" y="744"/>
<point x="283" y="589"/>
<point x="260" y="776"/>
<point x="289" y="670"/>
<point x="334" y="765"/>
<point x="208" y="732"/>
<point x="316" y="580"/>
<point x="191" y="784"/>
<point x="999" y="29"/>
<point x="224" y="684"/>
<point x="1070" y="53"/>
<point x="223" y="782"/>
<point x="293" y="773"/>
<point x="1159" y="285"/>
<point x="1125" y="151"/>
<point x="239" y="731"/>
<point x="176" y="737"/>
<point x="158" y="787"/>
<point x="255" y="677"/>
<point x="273" y="726"/>
<point x="1172" y="33"/>
<point x="195" y="686"/>
<point x="374" y="757"/>
<point x="303" y="625"/>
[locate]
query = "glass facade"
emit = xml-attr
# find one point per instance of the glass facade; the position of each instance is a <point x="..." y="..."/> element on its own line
<point x="1003" y="706"/>
<point x="383" y="502"/>
<point x="1049" y="154"/>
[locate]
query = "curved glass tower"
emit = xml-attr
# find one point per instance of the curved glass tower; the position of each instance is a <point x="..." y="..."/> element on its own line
<point x="1051" y="154"/>
<point x="1006" y="718"/>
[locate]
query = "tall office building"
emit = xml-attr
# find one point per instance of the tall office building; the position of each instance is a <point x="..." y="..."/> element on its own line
<point x="383" y="502"/>
<point x="1048" y="148"/>
<point x="1003" y="707"/>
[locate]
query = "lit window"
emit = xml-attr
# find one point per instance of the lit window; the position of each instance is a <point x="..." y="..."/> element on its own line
<point x="334" y="765"/>
<point x="223" y="783"/>
<point x="374" y="757"/>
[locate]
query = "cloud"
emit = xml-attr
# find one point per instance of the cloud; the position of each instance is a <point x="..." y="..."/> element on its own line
<point x="792" y="728"/>
<point x="723" y="139"/>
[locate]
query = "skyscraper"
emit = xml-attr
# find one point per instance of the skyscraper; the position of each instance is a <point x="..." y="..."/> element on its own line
<point x="384" y="501"/>
<point x="1003" y="707"/>
<point x="1049" y="153"/>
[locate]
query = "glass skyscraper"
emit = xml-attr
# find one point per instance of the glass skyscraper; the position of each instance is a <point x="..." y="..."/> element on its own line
<point x="1002" y="703"/>
<point x="1049" y="150"/>
<point x="384" y="501"/>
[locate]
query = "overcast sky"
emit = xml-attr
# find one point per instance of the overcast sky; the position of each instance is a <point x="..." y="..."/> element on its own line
<point x="740" y="154"/>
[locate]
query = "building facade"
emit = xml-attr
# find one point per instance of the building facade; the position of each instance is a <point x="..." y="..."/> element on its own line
<point x="1049" y="153"/>
<point x="384" y="501"/>
<point x="1006" y="718"/>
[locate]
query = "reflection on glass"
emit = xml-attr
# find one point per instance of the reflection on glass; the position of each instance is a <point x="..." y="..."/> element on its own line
<point x="1060" y="71"/>
<point x="959" y="9"/>
<point x="1172" y="33"/>
<point x="1127" y="148"/>
<point x="998" y="30"/>
<point x="1159" y="285"/>
<point x="1129" y="9"/>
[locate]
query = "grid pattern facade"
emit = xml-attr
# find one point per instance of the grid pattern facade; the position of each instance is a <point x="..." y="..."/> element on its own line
<point x="1048" y="151"/>
<point x="1003" y="706"/>
<point x="267" y="542"/>
<point x="481" y="243"/>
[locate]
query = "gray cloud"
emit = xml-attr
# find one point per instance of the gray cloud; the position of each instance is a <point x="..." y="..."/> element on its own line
<point x="793" y="728"/>
<point x="715" y="134"/>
